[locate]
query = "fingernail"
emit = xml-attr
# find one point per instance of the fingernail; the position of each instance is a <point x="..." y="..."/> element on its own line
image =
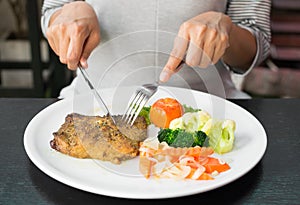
<point x="164" y="76"/>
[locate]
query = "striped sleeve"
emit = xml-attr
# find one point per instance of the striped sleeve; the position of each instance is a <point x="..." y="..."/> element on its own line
<point x="253" y="15"/>
<point x="48" y="8"/>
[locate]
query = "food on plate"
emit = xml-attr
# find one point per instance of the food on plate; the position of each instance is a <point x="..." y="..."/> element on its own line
<point x="145" y="113"/>
<point x="191" y="121"/>
<point x="181" y="138"/>
<point x="188" y="108"/>
<point x="182" y="149"/>
<point x="159" y="160"/>
<point x="164" y="110"/>
<point x="98" y="137"/>
<point x="221" y="135"/>
<point x="194" y="126"/>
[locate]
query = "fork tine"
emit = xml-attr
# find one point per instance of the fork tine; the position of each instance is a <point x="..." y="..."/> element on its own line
<point x="132" y="102"/>
<point x="138" y="101"/>
<point x="136" y="106"/>
<point x="140" y="107"/>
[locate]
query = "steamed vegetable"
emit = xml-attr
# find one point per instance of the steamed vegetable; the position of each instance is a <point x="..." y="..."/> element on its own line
<point x="184" y="131"/>
<point x="191" y="121"/>
<point x="221" y="135"/>
<point x="220" y="132"/>
<point x="181" y="138"/>
<point x="145" y="113"/>
<point x="164" y="110"/>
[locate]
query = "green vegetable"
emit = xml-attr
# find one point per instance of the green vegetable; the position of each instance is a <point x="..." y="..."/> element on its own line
<point x="181" y="138"/>
<point x="145" y="113"/>
<point x="221" y="135"/>
<point x="187" y="108"/>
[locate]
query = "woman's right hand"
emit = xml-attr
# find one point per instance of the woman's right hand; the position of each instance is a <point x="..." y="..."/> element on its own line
<point x="73" y="33"/>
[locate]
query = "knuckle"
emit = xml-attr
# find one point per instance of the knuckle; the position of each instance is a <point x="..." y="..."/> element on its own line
<point x="78" y="29"/>
<point x="213" y="33"/>
<point x="224" y="39"/>
<point x="201" y="28"/>
<point x="62" y="27"/>
<point x="186" y="26"/>
<point x="192" y="62"/>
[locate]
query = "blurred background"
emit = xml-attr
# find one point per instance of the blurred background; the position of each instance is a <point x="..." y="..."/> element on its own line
<point x="29" y="68"/>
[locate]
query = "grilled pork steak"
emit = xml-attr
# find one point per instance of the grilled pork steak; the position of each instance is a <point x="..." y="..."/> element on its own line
<point x="98" y="137"/>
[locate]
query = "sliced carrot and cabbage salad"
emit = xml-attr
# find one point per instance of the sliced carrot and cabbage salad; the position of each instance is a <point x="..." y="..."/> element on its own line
<point x="159" y="160"/>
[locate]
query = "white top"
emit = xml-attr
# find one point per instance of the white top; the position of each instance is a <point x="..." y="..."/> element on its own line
<point x="137" y="37"/>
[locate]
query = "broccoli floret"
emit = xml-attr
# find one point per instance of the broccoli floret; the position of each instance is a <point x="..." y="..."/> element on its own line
<point x="200" y="138"/>
<point x="181" y="138"/>
<point x="167" y="135"/>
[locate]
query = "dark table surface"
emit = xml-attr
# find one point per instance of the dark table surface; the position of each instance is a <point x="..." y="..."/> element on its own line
<point x="274" y="180"/>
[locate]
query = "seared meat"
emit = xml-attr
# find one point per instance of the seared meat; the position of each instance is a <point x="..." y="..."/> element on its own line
<point x="99" y="138"/>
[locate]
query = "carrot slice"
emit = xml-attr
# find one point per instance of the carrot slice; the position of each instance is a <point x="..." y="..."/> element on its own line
<point x="214" y="164"/>
<point x="205" y="176"/>
<point x="189" y="151"/>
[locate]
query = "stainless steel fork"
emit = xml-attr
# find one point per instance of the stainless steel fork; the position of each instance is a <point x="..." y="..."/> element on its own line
<point x="139" y="99"/>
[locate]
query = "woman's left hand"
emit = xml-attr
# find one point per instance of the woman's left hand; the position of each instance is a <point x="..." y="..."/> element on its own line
<point x="202" y="39"/>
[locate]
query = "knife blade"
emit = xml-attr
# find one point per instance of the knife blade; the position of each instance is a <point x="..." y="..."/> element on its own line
<point x="95" y="92"/>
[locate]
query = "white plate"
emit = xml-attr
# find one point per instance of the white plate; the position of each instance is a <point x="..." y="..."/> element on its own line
<point x="124" y="180"/>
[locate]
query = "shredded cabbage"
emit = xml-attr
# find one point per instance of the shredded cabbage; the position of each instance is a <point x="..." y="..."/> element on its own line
<point x="190" y="121"/>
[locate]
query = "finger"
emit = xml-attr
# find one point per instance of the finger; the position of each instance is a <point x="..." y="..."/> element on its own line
<point x="208" y="49"/>
<point x="74" y="51"/>
<point x="90" y="44"/>
<point x="195" y="49"/>
<point x="207" y="55"/>
<point x="51" y="42"/>
<point x="220" y="48"/>
<point x="63" y="49"/>
<point x="194" y="54"/>
<point x="219" y="52"/>
<point x="177" y="54"/>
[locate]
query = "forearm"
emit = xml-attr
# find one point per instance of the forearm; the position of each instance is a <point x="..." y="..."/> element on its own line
<point x="254" y="18"/>
<point x="242" y="48"/>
